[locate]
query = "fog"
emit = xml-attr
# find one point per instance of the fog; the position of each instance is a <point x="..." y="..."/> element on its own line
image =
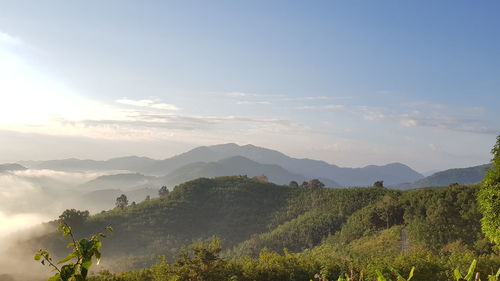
<point x="31" y="197"/>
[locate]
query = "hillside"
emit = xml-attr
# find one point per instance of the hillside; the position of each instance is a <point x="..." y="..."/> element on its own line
<point x="232" y="208"/>
<point x="127" y="181"/>
<point x="470" y="175"/>
<point x="324" y="226"/>
<point x="11" y="167"/>
<point x="236" y="165"/>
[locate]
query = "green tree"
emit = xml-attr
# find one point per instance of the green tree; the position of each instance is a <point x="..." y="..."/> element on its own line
<point x="489" y="197"/>
<point x="121" y="201"/>
<point x="378" y="184"/>
<point x="315" y="184"/>
<point x="163" y="191"/>
<point x="74" y="217"/>
<point x="293" y="184"/>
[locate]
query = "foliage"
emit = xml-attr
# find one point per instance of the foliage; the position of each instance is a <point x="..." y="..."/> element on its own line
<point x="163" y="191"/>
<point x="76" y="265"/>
<point x="74" y="217"/>
<point x="121" y="201"/>
<point x="275" y="232"/>
<point x="489" y="197"/>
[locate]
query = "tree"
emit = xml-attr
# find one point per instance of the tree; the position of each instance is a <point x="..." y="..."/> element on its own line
<point x="378" y="184"/>
<point x="148" y="198"/>
<point x="489" y="197"/>
<point x="315" y="184"/>
<point x="74" y="217"/>
<point x="304" y="184"/>
<point x="293" y="184"/>
<point x="163" y="191"/>
<point x="122" y="201"/>
<point x="389" y="211"/>
<point x="261" y="179"/>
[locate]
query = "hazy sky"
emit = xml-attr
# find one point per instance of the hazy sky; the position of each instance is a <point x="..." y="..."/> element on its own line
<point x="349" y="82"/>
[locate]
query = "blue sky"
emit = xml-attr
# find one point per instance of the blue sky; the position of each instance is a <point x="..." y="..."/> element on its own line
<point x="349" y="82"/>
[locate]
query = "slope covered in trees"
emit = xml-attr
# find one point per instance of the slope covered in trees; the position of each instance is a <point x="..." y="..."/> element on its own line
<point x="331" y="231"/>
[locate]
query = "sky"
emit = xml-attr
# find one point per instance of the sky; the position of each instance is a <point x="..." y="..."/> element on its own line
<point x="349" y="82"/>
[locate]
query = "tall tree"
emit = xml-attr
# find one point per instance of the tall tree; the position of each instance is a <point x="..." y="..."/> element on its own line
<point x="163" y="191"/>
<point x="489" y="197"/>
<point x="121" y="201"/>
<point x="315" y="184"/>
<point x="74" y="217"/>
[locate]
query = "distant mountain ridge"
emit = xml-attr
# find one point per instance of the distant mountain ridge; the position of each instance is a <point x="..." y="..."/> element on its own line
<point x="236" y="165"/>
<point x="394" y="173"/>
<point x="11" y="167"/>
<point x="463" y="176"/>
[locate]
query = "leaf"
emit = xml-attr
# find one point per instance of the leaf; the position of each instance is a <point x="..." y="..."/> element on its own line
<point x="55" y="277"/>
<point x="457" y="274"/>
<point x="67" y="271"/>
<point x="37" y="256"/>
<point x="470" y="273"/>
<point x="410" y="276"/>
<point x="69" y="257"/>
<point x="380" y="276"/>
<point x="109" y="228"/>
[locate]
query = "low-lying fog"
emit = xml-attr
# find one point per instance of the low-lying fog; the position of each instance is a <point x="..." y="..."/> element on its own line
<point x="32" y="196"/>
<point x="29" y="197"/>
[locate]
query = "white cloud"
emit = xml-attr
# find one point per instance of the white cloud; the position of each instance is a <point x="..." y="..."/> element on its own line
<point x="148" y="103"/>
<point x="255" y="102"/>
<point x="322" y="107"/>
<point x="437" y="116"/>
<point x="240" y="95"/>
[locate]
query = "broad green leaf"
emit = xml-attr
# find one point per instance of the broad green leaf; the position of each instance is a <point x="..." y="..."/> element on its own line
<point x="470" y="273"/>
<point x="69" y="257"/>
<point x="37" y="256"/>
<point x="457" y="274"/>
<point x="410" y="276"/>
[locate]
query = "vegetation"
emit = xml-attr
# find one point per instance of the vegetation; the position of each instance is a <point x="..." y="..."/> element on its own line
<point x="273" y="232"/>
<point x="290" y="232"/>
<point x="489" y="197"/>
<point x="76" y="265"/>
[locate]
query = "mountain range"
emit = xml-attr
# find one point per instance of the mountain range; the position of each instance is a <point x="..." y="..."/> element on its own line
<point x="231" y="159"/>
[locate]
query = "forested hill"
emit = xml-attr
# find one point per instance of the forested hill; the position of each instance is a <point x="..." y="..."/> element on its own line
<point x="233" y="208"/>
<point x="249" y="215"/>
<point x="469" y="175"/>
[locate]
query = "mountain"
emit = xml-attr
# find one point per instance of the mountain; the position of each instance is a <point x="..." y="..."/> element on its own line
<point x="236" y="165"/>
<point x="11" y="167"/>
<point x="129" y="163"/>
<point x="461" y="176"/>
<point x="104" y="199"/>
<point x="127" y="181"/>
<point x="391" y="174"/>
